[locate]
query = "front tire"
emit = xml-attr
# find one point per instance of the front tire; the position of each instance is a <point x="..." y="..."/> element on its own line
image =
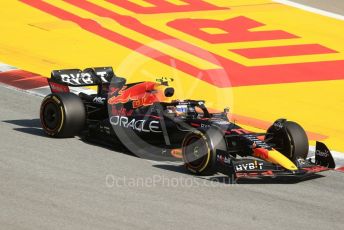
<point x="62" y="115"/>
<point x="199" y="150"/>
<point x="289" y="138"/>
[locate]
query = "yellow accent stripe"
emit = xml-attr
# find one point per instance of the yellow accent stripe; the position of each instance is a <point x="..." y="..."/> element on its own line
<point x="278" y="158"/>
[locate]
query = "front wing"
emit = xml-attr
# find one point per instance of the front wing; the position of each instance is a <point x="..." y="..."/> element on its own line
<point x="252" y="167"/>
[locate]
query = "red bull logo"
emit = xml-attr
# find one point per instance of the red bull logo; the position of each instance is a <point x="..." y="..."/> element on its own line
<point x="141" y="94"/>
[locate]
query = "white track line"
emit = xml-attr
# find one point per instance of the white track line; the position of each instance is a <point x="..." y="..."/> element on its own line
<point x="4" y="67"/>
<point x="311" y="9"/>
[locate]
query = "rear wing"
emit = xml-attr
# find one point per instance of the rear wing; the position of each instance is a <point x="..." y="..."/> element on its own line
<point x="61" y="80"/>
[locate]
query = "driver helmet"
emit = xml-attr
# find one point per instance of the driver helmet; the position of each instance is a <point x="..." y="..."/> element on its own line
<point x="181" y="109"/>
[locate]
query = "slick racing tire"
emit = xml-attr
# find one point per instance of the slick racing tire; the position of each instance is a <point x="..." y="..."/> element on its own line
<point x="62" y="115"/>
<point x="199" y="150"/>
<point x="290" y="139"/>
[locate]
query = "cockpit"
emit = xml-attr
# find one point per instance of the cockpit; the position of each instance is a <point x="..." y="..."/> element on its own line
<point x="187" y="109"/>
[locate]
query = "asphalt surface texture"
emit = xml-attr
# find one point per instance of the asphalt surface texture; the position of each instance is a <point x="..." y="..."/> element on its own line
<point x="51" y="183"/>
<point x="334" y="6"/>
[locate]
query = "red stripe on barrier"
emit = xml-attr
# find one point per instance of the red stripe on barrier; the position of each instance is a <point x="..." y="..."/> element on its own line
<point x="283" y="51"/>
<point x="23" y="79"/>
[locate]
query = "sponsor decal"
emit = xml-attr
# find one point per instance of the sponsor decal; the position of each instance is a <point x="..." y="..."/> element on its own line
<point x="249" y="166"/>
<point x="137" y="125"/>
<point x="320" y="153"/>
<point x="82" y="78"/>
<point x="56" y="100"/>
<point x="205" y="126"/>
<point x="99" y="100"/>
<point x="102" y="75"/>
<point x="223" y="159"/>
<point x="58" y="88"/>
<point x="278" y="125"/>
<point x="77" y="79"/>
<point x="141" y="94"/>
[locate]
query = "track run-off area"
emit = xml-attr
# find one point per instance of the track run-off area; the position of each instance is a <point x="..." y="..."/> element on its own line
<point x="263" y="59"/>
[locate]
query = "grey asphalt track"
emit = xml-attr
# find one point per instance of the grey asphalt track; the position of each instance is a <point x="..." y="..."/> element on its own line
<point x="334" y="6"/>
<point x="50" y="183"/>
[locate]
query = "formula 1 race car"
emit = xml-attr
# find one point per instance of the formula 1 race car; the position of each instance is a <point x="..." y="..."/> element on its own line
<point x="143" y="117"/>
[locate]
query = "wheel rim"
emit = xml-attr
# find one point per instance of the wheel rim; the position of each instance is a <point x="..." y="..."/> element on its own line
<point x="51" y="116"/>
<point x="196" y="152"/>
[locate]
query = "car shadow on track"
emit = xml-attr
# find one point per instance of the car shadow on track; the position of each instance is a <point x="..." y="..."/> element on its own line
<point x="119" y="147"/>
<point x="110" y="146"/>
<point x="175" y="165"/>
<point x="33" y="127"/>
<point x="29" y="126"/>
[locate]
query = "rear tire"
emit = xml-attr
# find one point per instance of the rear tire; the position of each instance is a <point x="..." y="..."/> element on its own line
<point x="62" y="115"/>
<point x="291" y="140"/>
<point x="199" y="150"/>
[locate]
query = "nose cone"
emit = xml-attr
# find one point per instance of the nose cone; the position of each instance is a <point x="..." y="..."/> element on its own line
<point x="278" y="158"/>
<point x="275" y="157"/>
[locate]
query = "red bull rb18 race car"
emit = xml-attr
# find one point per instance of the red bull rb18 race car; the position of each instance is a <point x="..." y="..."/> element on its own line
<point x="143" y="118"/>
